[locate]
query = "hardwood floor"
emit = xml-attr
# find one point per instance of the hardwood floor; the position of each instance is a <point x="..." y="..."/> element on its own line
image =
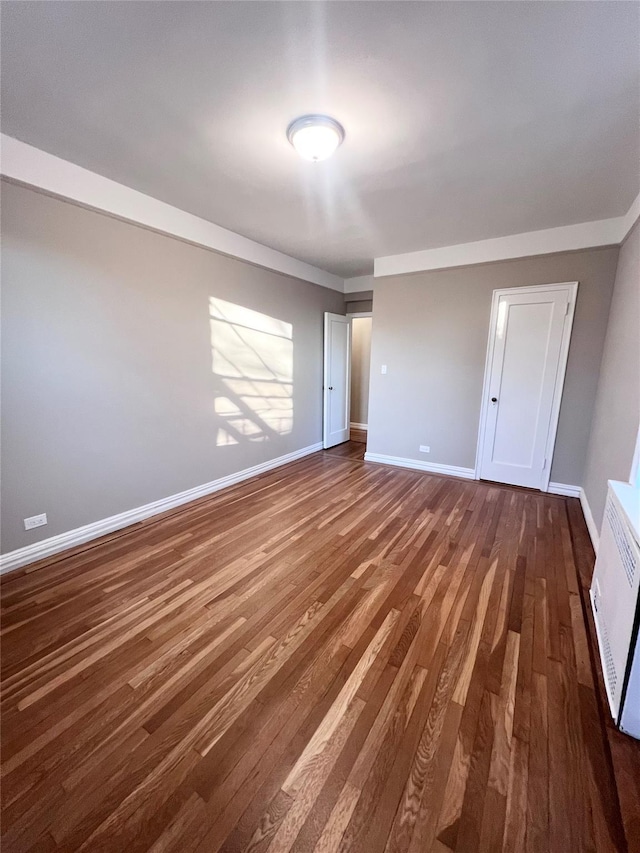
<point x="334" y="656"/>
<point x="353" y="449"/>
<point x="358" y="435"/>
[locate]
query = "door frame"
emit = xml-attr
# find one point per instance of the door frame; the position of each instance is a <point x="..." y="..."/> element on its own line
<point x="572" y="293"/>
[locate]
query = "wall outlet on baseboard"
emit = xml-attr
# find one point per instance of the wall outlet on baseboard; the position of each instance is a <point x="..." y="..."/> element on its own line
<point x="424" y="448"/>
<point x="35" y="521"/>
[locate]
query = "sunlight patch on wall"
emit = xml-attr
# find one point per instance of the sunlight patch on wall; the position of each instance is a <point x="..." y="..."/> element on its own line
<point x="252" y="360"/>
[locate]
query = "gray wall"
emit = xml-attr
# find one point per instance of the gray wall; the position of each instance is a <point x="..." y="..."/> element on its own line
<point x="360" y="363"/>
<point x="108" y="394"/>
<point x="431" y="331"/>
<point x="617" y="409"/>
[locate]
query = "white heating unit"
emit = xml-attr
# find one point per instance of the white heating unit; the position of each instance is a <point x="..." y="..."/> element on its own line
<point x="615" y="600"/>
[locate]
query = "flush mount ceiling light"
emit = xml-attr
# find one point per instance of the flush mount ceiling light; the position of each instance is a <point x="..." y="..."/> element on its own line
<point x="315" y="137"/>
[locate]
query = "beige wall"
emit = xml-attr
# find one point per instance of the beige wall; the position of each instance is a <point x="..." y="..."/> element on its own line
<point x="617" y="407"/>
<point x="431" y="331"/>
<point x="360" y="360"/>
<point x="112" y="394"/>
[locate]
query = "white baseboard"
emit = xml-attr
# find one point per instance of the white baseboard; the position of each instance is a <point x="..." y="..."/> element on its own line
<point x="564" y="489"/>
<point x="55" y="544"/>
<point x="417" y="465"/>
<point x="588" y="517"/>
<point x="365" y="427"/>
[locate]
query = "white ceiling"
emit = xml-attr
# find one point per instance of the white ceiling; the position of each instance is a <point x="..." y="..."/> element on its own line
<point x="464" y="121"/>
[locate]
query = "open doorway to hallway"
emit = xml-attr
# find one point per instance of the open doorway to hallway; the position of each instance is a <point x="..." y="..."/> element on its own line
<point x="360" y="370"/>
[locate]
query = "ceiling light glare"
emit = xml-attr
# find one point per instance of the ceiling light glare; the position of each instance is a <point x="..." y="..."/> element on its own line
<point x="315" y="137"/>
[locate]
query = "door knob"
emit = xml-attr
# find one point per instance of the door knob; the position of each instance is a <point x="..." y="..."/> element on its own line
<point x="494" y="399"/>
<point x="330" y="388"/>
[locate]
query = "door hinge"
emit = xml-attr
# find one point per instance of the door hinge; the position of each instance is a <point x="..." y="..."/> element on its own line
<point x="566" y="310"/>
<point x="544" y="464"/>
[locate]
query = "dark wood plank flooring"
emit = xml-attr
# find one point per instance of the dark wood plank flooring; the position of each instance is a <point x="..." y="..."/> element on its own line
<point x="353" y="449"/>
<point x="334" y="656"/>
<point x="358" y="435"/>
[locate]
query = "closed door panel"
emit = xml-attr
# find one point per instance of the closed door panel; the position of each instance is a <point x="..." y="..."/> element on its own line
<point x="337" y="349"/>
<point x="526" y="364"/>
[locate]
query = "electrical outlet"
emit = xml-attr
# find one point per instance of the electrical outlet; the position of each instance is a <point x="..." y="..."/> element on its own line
<point x="35" y="521"/>
<point x="424" y="448"/>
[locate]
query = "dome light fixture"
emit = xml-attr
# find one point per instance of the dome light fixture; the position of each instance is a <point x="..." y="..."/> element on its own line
<point x="315" y="137"/>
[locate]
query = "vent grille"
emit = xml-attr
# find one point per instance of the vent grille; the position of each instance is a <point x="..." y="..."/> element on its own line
<point x="609" y="664"/>
<point x="627" y="557"/>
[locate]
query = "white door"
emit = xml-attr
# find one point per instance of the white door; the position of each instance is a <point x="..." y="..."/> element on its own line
<point x="337" y="350"/>
<point x="526" y="360"/>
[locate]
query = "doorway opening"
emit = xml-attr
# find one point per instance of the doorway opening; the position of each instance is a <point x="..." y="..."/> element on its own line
<point x="347" y="356"/>
<point x="361" y="325"/>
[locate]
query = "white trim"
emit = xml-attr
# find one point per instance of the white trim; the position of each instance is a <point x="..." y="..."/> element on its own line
<point x="364" y="427"/>
<point x="358" y="283"/>
<point x="572" y="292"/>
<point x="36" y="168"/>
<point x="453" y="471"/>
<point x="63" y="541"/>
<point x="631" y="217"/>
<point x="564" y="489"/>
<point x="417" y="465"/>
<point x="588" y="517"/>
<point x="356" y="314"/>
<point x="566" y="238"/>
